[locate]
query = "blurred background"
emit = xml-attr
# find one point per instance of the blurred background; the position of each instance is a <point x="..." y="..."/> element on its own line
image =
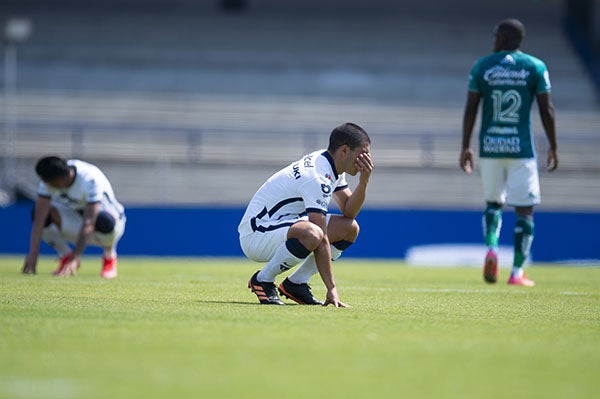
<point x="190" y="103"/>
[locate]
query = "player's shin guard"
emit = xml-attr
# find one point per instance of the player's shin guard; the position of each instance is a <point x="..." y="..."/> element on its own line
<point x="288" y="255"/>
<point x="492" y="222"/>
<point x="522" y="240"/>
<point x="308" y="268"/>
<point x="53" y="237"/>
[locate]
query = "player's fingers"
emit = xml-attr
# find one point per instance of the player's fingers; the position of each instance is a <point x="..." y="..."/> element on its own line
<point x="65" y="272"/>
<point x="467" y="164"/>
<point x="465" y="167"/>
<point x="365" y="165"/>
<point x="331" y="302"/>
<point x="366" y="157"/>
<point x="552" y="163"/>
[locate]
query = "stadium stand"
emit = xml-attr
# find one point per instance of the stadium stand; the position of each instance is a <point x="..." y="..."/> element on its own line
<point x="183" y="103"/>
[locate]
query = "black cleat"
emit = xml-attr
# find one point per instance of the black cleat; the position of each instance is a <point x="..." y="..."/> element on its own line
<point x="299" y="293"/>
<point x="265" y="291"/>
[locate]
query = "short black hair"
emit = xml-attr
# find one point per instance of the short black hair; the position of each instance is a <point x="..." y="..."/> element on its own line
<point x="50" y="168"/>
<point x="513" y="32"/>
<point x="349" y="134"/>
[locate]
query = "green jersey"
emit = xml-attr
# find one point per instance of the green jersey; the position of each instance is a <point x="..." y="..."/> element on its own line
<point x="508" y="82"/>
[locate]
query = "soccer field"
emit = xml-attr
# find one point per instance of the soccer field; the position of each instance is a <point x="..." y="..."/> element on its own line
<point x="189" y="328"/>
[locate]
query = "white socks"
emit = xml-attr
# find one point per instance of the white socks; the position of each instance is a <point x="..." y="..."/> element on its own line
<point x="308" y="268"/>
<point x="282" y="261"/>
<point x="53" y="237"/>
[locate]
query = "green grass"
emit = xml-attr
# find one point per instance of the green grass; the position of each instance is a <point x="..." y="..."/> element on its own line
<point x="189" y="328"/>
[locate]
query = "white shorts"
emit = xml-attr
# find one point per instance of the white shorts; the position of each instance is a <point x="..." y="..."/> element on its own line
<point x="260" y="246"/>
<point x="514" y="181"/>
<point x="72" y="222"/>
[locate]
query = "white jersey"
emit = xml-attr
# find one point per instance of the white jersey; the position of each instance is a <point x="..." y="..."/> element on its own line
<point x="90" y="186"/>
<point x="302" y="187"/>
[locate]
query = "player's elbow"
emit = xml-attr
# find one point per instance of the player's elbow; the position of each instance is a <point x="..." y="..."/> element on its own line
<point x="350" y="213"/>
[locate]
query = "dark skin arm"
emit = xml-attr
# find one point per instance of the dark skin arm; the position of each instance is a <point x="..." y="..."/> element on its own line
<point x="471" y="107"/>
<point x="42" y="208"/>
<point x="547" y="116"/>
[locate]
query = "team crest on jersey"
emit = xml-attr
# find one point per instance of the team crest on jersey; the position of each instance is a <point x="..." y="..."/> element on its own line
<point x="508" y="59"/>
<point x="328" y="177"/>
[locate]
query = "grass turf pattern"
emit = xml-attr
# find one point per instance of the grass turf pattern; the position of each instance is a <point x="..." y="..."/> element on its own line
<point x="189" y="328"/>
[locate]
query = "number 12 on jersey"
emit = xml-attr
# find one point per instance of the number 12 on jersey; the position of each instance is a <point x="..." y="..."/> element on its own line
<point x="506" y="106"/>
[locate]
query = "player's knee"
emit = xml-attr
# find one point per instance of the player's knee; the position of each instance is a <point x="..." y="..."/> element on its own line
<point x="309" y="234"/>
<point x="353" y="231"/>
<point x="349" y="230"/>
<point x="105" y="223"/>
<point x="312" y="236"/>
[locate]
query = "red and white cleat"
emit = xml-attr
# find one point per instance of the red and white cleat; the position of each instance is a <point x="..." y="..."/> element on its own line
<point x="109" y="267"/>
<point x="62" y="262"/>
<point x="490" y="267"/>
<point x="522" y="280"/>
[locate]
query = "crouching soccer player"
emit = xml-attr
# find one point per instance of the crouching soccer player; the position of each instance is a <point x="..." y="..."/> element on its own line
<point x="287" y="222"/>
<point x="75" y="204"/>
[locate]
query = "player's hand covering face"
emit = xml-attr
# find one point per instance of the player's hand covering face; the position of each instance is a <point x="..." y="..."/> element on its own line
<point x="363" y="164"/>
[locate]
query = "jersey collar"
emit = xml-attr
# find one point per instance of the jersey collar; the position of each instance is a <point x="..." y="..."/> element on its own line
<point x="327" y="156"/>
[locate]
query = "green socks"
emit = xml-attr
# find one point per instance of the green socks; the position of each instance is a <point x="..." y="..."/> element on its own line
<point x="523" y="240"/>
<point x="492" y="222"/>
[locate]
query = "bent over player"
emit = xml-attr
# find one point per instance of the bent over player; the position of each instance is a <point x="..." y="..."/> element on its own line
<point x="75" y="204"/>
<point x="287" y="221"/>
<point x="508" y="81"/>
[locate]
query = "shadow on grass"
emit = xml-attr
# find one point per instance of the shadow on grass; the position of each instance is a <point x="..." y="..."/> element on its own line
<point x="244" y="303"/>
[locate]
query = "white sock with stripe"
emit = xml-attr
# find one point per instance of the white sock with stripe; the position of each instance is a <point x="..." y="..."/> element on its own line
<point x="308" y="268"/>
<point x="287" y="255"/>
